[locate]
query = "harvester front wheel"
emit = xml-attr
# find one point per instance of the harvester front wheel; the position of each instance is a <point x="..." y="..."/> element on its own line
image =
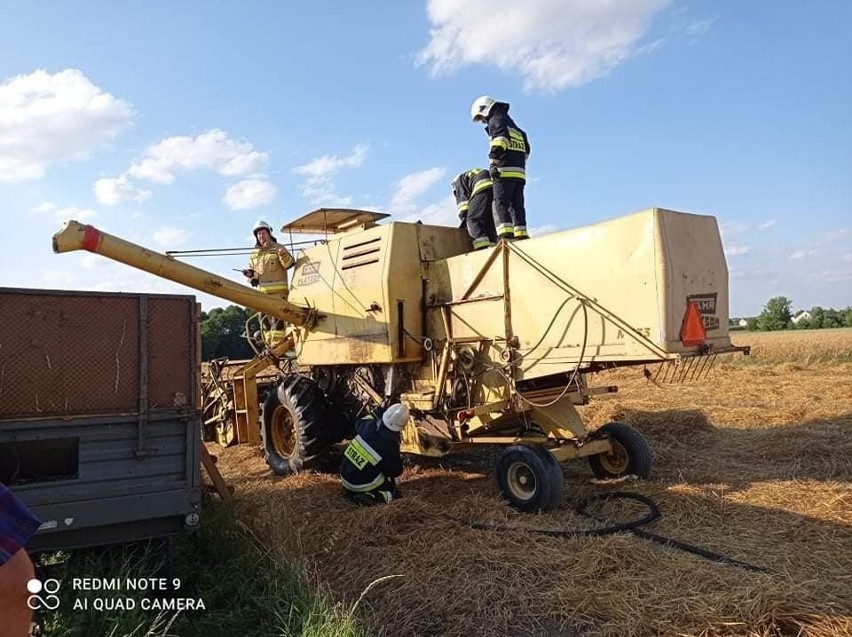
<point x="630" y="455"/>
<point x="530" y="478"/>
<point x="295" y="421"/>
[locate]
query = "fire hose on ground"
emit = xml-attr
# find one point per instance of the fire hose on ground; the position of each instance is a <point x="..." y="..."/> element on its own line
<point x="633" y="526"/>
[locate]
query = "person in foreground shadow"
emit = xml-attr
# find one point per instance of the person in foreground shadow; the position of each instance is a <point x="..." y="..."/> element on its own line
<point x="17" y="525"/>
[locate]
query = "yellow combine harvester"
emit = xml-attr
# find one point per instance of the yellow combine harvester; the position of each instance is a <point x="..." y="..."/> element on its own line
<point x="488" y="347"/>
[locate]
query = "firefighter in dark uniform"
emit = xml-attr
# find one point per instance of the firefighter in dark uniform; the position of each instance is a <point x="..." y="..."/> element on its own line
<point x="474" y="199"/>
<point x="509" y="149"/>
<point x="372" y="460"/>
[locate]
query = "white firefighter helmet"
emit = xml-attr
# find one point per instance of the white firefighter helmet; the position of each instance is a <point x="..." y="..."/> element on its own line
<point x="261" y="224"/>
<point x="395" y="417"/>
<point x="482" y="107"/>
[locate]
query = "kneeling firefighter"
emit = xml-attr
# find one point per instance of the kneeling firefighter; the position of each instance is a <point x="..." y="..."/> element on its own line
<point x="372" y="460"/>
<point x="473" y="192"/>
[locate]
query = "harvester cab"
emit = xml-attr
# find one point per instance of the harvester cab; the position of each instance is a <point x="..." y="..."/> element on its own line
<point x="492" y="347"/>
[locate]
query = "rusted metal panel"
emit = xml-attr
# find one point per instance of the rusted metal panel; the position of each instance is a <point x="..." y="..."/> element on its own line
<point x="171" y="371"/>
<point x="65" y="353"/>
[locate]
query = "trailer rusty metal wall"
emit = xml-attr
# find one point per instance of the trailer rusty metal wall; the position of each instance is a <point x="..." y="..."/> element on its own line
<point x="100" y="423"/>
<point x="73" y="353"/>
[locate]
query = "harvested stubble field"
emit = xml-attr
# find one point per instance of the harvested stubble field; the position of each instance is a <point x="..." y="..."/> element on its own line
<point x="754" y="463"/>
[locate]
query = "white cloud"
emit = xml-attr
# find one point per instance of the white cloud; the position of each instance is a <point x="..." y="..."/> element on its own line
<point x="113" y="191"/>
<point x="832" y="276"/>
<point x="734" y="251"/>
<point x="552" y="44"/>
<point x="319" y="174"/>
<point x="213" y="149"/>
<point x="249" y="193"/>
<point x="847" y="258"/>
<point x="827" y="238"/>
<point x="46" y="207"/>
<point x="46" y="118"/>
<point x="540" y="231"/>
<point x="55" y="278"/>
<point x="327" y="165"/>
<point x="64" y="213"/>
<point x="442" y="213"/>
<point x="411" y="186"/>
<point x="170" y="237"/>
<point x="798" y="255"/>
<point x="731" y="229"/>
<point x="91" y="260"/>
<point x="696" y="29"/>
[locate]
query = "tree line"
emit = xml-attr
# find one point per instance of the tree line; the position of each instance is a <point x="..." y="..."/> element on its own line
<point x="223" y="333"/>
<point x="777" y="314"/>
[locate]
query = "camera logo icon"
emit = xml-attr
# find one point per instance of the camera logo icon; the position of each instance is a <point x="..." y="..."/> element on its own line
<point x="43" y="594"/>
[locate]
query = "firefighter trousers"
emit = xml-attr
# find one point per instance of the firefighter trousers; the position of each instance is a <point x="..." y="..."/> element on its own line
<point x="509" y="208"/>
<point x="382" y="494"/>
<point x="275" y="328"/>
<point x="480" y="220"/>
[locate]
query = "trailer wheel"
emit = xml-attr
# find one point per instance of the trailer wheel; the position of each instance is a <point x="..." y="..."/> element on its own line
<point x="630" y="455"/>
<point x="295" y="429"/>
<point x="530" y="478"/>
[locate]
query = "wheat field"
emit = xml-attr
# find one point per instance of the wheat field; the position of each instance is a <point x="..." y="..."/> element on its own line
<point x="753" y="463"/>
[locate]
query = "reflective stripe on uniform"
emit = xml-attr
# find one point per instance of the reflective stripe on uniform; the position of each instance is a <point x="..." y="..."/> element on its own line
<point x="521" y="231"/>
<point x="516" y="140"/>
<point x="270" y="287"/>
<point x="361" y="488"/>
<point x="482" y="242"/>
<point x="361" y="454"/>
<point x="275" y="336"/>
<point x="481" y="185"/>
<point x="463" y="205"/>
<point x="512" y="171"/>
<point x="502" y="142"/>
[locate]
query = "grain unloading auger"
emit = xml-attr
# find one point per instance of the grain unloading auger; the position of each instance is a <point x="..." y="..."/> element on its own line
<point x="489" y="347"/>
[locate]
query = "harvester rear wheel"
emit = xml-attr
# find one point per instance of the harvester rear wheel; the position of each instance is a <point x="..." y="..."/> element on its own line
<point x="630" y="455"/>
<point x="530" y="478"/>
<point x="295" y="429"/>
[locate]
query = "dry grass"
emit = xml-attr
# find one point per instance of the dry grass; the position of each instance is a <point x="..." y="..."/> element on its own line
<point x="754" y="463"/>
<point x="798" y="347"/>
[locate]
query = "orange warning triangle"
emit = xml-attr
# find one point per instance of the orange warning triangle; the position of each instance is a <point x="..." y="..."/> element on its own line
<point x="693" y="333"/>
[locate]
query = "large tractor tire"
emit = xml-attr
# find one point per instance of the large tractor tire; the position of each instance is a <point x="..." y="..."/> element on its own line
<point x="631" y="454"/>
<point x="295" y="431"/>
<point x="530" y="478"/>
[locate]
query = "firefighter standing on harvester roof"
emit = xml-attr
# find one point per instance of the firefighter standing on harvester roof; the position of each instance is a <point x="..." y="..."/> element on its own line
<point x="474" y="199"/>
<point x="509" y="149"/>
<point x="267" y="271"/>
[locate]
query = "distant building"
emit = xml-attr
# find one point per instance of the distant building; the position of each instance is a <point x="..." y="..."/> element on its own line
<point x="802" y="316"/>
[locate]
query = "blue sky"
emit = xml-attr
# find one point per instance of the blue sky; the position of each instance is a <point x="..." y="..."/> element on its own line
<point x="178" y="124"/>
